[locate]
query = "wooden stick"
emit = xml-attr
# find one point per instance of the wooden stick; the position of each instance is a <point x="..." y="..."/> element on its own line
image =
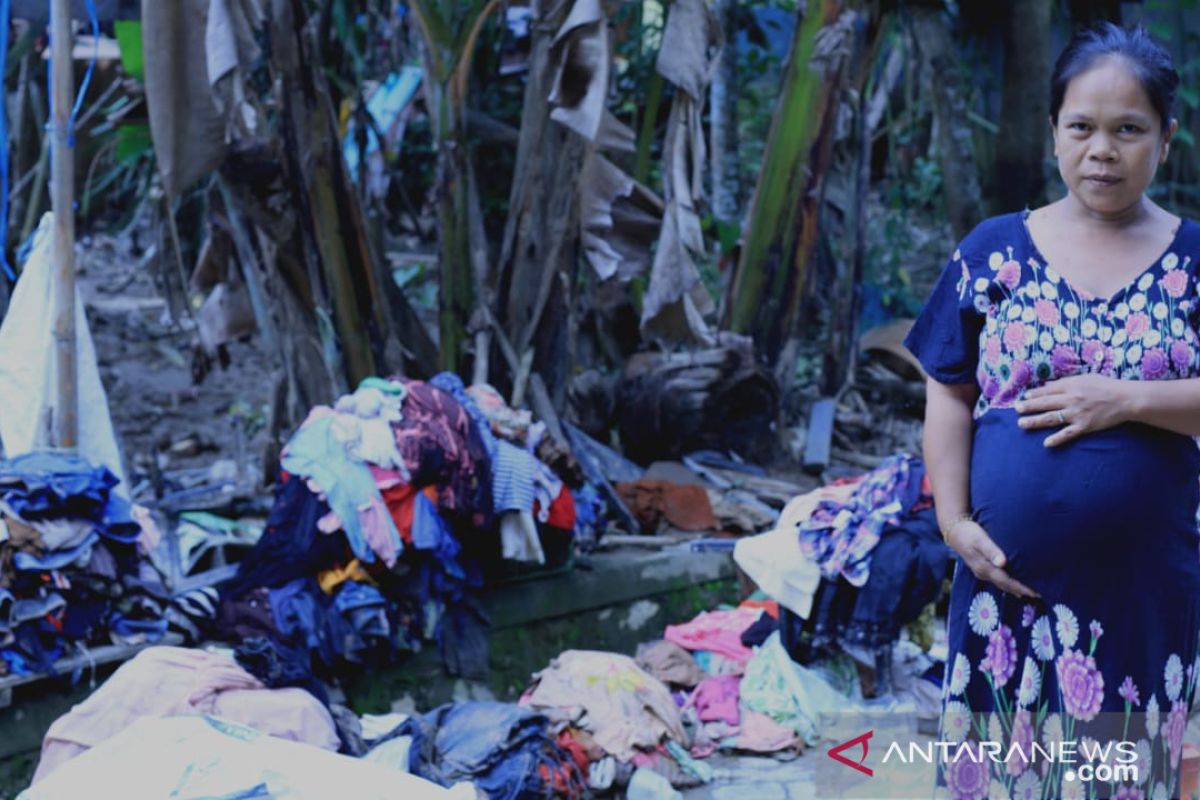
<point x="62" y="197"/>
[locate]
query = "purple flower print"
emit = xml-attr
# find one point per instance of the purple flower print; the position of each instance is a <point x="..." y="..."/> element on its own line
<point x="1081" y="684"/>
<point x="1129" y="691"/>
<point x="991" y="350"/>
<point x="1047" y="312"/>
<point x="1022" y="374"/>
<point x="967" y="775"/>
<point x="1096" y="629"/>
<point x="1010" y="274"/>
<point x="1154" y="364"/>
<point x="1129" y="793"/>
<point x="1027" y="615"/>
<point x="1022" y="737"/>
<point x="1137" y="325"/>
<point x="991" y="388"/>
<point x="1172" y="731"/>
<point x="1064" y="360"/>
<point x="1181" y="355"/>
<point x="1175" y="282"/>
<point x="1014" y="336"/>
<point x="1094" y="354"/>
<point x="1000" y="656"/>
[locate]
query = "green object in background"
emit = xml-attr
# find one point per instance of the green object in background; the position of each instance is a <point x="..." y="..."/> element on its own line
<point x="129" y="37"/>
<point x="133" y="141"/>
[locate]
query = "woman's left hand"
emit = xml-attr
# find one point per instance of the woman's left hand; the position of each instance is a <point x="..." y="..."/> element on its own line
<point x="1077" y="404"/>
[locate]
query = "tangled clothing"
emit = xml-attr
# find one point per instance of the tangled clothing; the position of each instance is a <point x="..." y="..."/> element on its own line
<point x="775" y="561"/>
<point x="316" y="452"/>
<point x="840" y="537"/>
<point x="163" y="681"/>
<point x="335" y="576"/>
<point x="500" y="747"/>
<point x="441" y="448"/>
<point x="761" y="734"/>
<point x="654" y="502"/>
<point x="562" y="511"/>
<point x="364" y="426"/>
<point x="453" y="385"/>
<point x="507" y="423"/>
<point x="291" y="546"/>
<point x="717" y="632"/>
<point x="519" y="539"/>
<point x="908" y="568"/>
<point x="627" y="708"/>
<point x="42" y="486"/>
<point x="670" y="663"/>
<point x="1102" y="527"/>
<point x="716" y="699"/>
<point x="547" y="486"/>
<point x="513" y="472"/>
<point x="789" y="693"/>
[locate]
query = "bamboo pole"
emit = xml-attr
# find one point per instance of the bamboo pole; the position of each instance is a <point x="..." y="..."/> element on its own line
<point x="62" y="177"/>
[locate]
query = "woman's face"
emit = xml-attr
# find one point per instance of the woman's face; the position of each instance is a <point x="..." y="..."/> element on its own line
<point x="1109" y="139"/>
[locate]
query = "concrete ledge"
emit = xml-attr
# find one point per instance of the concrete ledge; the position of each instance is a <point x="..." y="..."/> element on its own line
<point x="612" y="578"/>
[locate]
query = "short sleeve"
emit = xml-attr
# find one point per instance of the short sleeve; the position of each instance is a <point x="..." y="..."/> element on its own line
<point x="945" y="337"/>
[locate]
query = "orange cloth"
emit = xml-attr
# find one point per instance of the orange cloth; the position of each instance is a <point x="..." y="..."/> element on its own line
<point x="769" y="606"/>
<point x="656" y="501"/>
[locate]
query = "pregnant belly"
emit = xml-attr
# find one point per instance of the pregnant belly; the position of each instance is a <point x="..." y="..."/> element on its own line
<point x="1105" y="498"/>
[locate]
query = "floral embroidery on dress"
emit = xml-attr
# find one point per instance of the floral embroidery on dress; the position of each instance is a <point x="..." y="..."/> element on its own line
<point x="1021" y="713"/>
<point x="1038" y="327"/>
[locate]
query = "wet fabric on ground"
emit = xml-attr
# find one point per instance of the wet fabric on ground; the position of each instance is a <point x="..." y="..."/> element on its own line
<point x="670" y="663"/>
<point x="497" y="746"/>
<point x="162" y="681"/>
<point x="627" y="708"/>
<point x="717" y="632"/>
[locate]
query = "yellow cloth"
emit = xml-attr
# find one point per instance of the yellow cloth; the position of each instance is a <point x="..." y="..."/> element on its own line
<point x="330" y="579"/>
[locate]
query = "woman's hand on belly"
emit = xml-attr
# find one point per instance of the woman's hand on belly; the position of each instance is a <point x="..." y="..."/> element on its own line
<point x="984" y="558"/>
<point x="1077" y="405"/>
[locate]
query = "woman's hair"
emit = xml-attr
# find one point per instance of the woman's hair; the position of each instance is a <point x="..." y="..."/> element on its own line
<point x="1147" y="60"/>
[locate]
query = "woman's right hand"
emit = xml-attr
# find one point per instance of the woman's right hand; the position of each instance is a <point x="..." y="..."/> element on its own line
<point x="984" y="558"/>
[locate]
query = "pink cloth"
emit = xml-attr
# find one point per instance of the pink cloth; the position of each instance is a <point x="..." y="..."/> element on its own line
<point x="761" y="734"/>
<point x="716" y="699"/>
<point x="165" y="681"/>
<point x="716" y="631"/>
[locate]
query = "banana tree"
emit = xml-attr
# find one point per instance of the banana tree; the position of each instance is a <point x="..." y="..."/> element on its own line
<point x="449" y="30"/>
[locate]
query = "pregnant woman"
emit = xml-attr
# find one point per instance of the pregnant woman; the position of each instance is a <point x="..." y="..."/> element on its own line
<point x="1064" y="388"/>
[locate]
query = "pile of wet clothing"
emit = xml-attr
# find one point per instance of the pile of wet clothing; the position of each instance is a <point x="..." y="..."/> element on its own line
<point x="71" y="573"/>
<point x="392" y="506"/>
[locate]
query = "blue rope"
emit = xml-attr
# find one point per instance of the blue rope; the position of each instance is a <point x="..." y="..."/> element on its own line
<point x="87" y="76"/>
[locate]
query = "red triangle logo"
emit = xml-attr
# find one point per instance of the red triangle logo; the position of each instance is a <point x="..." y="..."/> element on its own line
<point x="836" y="753"/>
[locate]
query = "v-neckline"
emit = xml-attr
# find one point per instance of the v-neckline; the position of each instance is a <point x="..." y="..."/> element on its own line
<point x="1083" y="294"/>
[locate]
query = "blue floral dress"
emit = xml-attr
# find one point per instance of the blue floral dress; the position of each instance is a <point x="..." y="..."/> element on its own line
<point x="1103" y="528"/>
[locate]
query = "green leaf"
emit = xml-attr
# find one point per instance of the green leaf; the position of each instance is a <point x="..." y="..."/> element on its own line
<point x="1190" y="96"/>
<point x="1184" y="136"/>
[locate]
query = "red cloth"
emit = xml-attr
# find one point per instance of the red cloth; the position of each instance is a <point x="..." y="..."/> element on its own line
<point x="562" y="511"/>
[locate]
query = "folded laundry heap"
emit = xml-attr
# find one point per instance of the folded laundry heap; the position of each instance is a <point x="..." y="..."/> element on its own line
<point x="71" y="575"/>
<point x="392" y="508"/>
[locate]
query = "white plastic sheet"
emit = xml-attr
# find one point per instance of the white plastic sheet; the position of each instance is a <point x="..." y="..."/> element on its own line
<point x="29" y="370"/>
